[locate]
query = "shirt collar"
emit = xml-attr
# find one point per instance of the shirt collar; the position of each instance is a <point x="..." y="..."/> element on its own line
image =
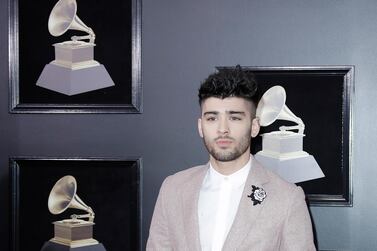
<point x="237" y="179"/>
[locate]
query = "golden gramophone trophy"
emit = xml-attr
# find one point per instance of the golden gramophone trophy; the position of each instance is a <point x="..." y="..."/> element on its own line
<point x="75" y="233"/>
<point x="74" y="69"/>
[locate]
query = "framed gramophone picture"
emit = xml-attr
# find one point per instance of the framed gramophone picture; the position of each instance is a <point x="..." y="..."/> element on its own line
<point x="305" y="113"/>
<point x="70" y="56"/>
<point x="75" y="203"/>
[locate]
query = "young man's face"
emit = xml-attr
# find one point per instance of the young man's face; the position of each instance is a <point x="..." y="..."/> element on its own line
<point x="226" y="126"/>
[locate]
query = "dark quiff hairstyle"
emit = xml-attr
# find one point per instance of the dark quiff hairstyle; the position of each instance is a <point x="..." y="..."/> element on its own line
<point x="230" y="82"/>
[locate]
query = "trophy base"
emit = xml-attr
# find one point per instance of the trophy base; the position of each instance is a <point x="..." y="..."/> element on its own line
<point x="53" y="246"/>
<point x="73" y="234"/>
<point x="283" y="144"/>
<point x="74" y="81"/>
<point x="70" y="53"/>
<point x="293" y="170"/>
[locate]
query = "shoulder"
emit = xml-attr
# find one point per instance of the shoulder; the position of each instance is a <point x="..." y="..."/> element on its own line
<point x="278" y="181"/>
<point x="185" y="176"/>
<point x="280" y="188"/>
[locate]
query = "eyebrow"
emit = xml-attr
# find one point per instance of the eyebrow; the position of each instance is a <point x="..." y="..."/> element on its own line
<point x="228" y="112"/>
<point x="237" y="112"/>
<point x="210" y="113"/>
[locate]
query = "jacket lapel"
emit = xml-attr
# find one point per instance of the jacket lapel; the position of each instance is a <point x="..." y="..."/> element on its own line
<point x="190" y="198"/>
<point x="247" y="213"/>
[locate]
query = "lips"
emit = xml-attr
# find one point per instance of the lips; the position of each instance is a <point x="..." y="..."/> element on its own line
<point x="223" y="142"/>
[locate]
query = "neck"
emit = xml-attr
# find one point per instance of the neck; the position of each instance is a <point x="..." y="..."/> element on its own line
<point x="230" y="167"/>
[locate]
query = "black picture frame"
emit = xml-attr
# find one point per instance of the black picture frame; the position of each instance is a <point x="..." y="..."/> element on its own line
<point x="322" y="97"/>
<point x="111" y="187"/>
<point x="117" y="26"/>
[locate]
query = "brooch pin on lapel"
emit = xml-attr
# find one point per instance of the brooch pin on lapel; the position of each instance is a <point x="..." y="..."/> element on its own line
<point x="257" y="195"/>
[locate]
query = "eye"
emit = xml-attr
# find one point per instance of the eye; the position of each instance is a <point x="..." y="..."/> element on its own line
<point x="211" y="118"/>
<point x="235" y="118"/>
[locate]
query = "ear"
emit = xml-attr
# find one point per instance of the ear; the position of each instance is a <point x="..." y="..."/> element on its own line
<point x="255" y="127"/>
<point x="200" y="127"/>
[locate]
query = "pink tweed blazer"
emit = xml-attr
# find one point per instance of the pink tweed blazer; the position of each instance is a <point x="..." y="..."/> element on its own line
<point x="280" y="222"/>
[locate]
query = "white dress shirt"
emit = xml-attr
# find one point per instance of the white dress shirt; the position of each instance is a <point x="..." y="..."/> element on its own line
<point x="219" y="198"/>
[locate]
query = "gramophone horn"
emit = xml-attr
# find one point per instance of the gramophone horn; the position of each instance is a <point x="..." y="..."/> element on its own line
<point x="63" y="195"/>
<point x="63" y="17"/>
<point x="272" y="107"/>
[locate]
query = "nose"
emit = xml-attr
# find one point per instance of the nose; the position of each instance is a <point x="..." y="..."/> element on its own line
<point x="223" y="127"/>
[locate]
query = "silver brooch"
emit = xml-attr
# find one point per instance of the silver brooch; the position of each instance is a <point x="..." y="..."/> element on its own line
<point x="257" y="195"/>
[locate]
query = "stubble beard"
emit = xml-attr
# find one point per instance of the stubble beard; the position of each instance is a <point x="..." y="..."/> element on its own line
<point x="230" y="154"/>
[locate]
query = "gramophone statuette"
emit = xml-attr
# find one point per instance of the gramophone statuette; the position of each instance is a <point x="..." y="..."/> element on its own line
<point x="74" y="69"/>
<point x="282" y="150"/>
<point x="75" y="232"/>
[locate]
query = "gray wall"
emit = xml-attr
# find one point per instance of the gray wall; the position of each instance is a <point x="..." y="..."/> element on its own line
<point x="182" y="42"/>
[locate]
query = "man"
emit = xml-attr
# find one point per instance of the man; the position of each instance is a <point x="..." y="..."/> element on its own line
<point x="232" y="203"/>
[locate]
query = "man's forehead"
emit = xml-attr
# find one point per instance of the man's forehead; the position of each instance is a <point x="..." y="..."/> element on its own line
<point x="226" y="104"/>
